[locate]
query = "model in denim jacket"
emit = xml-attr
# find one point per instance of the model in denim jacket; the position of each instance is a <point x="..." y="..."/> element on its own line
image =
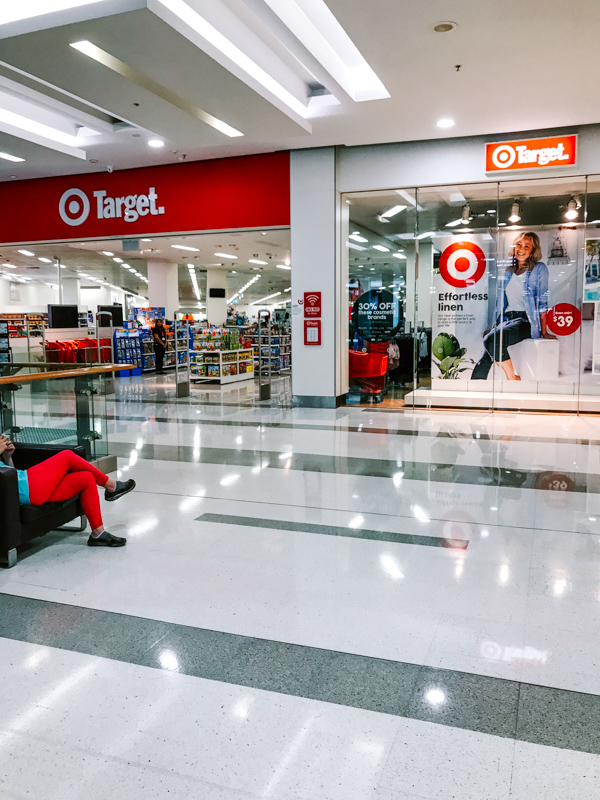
<point x="514" y="327"/>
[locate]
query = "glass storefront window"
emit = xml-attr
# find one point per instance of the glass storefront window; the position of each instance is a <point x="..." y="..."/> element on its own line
<point x="498" y="287"/>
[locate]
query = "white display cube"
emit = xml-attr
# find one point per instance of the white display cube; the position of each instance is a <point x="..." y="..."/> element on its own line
<point x="535" y="359"/>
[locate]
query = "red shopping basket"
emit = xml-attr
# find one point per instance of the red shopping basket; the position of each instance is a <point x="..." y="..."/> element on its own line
<point x="367" y="365"/>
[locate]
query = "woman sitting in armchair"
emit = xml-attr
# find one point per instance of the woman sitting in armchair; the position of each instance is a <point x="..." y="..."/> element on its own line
<point x="63" y="477"/>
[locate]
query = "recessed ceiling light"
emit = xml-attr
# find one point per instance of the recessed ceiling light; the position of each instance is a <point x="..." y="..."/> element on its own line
<point x="183" y="247"/>
<point x="398" y="255"/>
<point x="256" y="261"/>
<point x="107" y="253"/>
<point x="26" y="253"/>
<point x="282" y="266"/>
<point x="381" y="248"/>
<point x="45" y="260"/>
<point x="118" y="260"/>
<point x="225" y="255"/>
<point x="11" y="266"/>
<point x="233" y="272"/>
<point x="445" y="27"/>
<point x="445" y="122"/>
<point x="8" y="157"/>
<point x="146" y="240"/>
<point x="155" y="143"/>
<point x="357" y="237"/>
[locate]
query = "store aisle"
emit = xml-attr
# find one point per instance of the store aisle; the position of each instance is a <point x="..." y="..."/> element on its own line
<point x="315" y="604"/>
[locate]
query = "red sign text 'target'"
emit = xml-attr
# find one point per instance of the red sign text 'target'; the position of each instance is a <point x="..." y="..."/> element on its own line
<point x="244" y="192"/>
<point x="553" y="151"/>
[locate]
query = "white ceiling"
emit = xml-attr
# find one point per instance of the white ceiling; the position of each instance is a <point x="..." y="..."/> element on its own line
<point x="523" y="66"/>
<point x="271" y="246"/>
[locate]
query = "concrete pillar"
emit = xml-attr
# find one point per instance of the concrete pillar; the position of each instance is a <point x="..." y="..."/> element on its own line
<point x="163" y="286"/>
<point x="70" y="291"/>
<point x="216" y="307"/>
<point x="319" y="228"/>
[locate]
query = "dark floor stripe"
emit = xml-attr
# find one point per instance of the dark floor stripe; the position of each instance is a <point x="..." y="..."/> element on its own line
<point x="364" y="467"/>
<point x="445" y="435"/>
<point x="553" y="717"/>
<point x="334" y="530"/>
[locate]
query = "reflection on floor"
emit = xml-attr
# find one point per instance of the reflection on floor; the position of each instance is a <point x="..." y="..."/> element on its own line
<point x="352" y="604"/>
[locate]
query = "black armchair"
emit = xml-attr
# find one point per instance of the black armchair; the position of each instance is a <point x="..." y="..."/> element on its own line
<point x="20" y="524"/>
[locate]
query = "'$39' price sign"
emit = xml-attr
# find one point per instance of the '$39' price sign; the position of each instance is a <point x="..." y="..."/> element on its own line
<point x="564" y="319"/>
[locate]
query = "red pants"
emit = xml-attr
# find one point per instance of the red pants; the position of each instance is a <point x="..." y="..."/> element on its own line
<point x="64" y="476"/>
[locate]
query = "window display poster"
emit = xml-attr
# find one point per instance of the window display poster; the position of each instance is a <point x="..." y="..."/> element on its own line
<point x="466" y="331"/>
<point x="460" y="307"/>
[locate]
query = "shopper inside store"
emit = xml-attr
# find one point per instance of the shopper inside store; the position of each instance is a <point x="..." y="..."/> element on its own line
<point x="299" y="400"/>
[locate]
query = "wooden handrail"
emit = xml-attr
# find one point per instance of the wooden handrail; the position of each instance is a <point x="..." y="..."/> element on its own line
<point x="71" y="373"/>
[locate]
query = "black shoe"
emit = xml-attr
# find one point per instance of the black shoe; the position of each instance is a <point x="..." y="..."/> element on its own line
<point x="106" y="539"/>
<point x="122" y="487"/>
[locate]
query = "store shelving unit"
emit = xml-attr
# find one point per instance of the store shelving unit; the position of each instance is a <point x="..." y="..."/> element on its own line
<point x="223" y="366"/>
<point x="17" y="324"/>
<point x="137" y="347"/>
<point x="275" y="356"/>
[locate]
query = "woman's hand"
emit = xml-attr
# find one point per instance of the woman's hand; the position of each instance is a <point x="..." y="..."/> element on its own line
<point x="7" y="448"/>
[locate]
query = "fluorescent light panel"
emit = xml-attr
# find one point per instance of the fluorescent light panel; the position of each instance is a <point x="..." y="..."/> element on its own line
<point x="314" y="25"/>
<point x="27" y="9"/>
<point x="8" y="157"/>
<point x="123" y="69"/>
<point x="184" y="247"/>
<point x="391" y="212"/>
<point x="225" y="255"/>
<point x="226" y="47"/>
<point x="262" y="300"/>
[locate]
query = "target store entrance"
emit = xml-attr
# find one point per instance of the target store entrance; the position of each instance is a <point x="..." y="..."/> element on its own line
<point x="476" y="295"/>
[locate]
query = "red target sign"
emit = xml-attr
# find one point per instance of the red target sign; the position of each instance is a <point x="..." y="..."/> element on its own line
<point x="564" y="319"/>
<point x="462" y="264"/>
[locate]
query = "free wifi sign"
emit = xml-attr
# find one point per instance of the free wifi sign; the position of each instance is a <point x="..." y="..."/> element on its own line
<point x="312" y="304"/>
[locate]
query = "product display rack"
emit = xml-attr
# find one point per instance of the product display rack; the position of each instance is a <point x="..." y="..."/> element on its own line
<point x="137" y="347"/>
<point x="224" y="366"/>
<point x="277" y="356"/>
<point x="17" y="324"/>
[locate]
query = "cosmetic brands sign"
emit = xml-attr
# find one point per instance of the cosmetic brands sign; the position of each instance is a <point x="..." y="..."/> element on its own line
<point x="553" y="151"/>
<point x="245" y="192"/>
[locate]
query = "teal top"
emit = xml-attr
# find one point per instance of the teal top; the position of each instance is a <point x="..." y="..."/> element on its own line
<point x="23" y="487"/>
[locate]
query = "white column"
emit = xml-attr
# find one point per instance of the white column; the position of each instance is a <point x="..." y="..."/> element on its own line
<point x="70" y="291"/>
<point x="163" y="286"/>
<point x="319" y="264"/>
<point x="216" y="307"/>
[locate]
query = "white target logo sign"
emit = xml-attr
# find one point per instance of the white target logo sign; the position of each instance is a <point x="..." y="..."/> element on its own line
<point x="462" y="264"/>
<point x="504" y="156"/>
<point x="74" y="207"/>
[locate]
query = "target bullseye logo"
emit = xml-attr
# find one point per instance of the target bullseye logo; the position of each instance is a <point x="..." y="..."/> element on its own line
<point x="504" y="156"/>
<point x="74" y="207"/>
<point x="462" y="264"/>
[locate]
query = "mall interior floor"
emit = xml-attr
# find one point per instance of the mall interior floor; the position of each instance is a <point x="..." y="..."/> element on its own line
<point x="315" y="605"/>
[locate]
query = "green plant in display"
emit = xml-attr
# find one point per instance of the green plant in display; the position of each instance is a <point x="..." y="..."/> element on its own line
<point x="449" y="356"/>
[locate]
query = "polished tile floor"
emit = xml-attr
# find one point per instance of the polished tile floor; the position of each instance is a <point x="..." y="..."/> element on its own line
<point x="314" y="605"/>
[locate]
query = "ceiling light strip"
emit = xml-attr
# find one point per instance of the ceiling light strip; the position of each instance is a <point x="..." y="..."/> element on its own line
<point x="114" y="64"/>
<point x="315" y="26"/>
<point x="225" y="47"/>
<point x="17" y="125"/>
